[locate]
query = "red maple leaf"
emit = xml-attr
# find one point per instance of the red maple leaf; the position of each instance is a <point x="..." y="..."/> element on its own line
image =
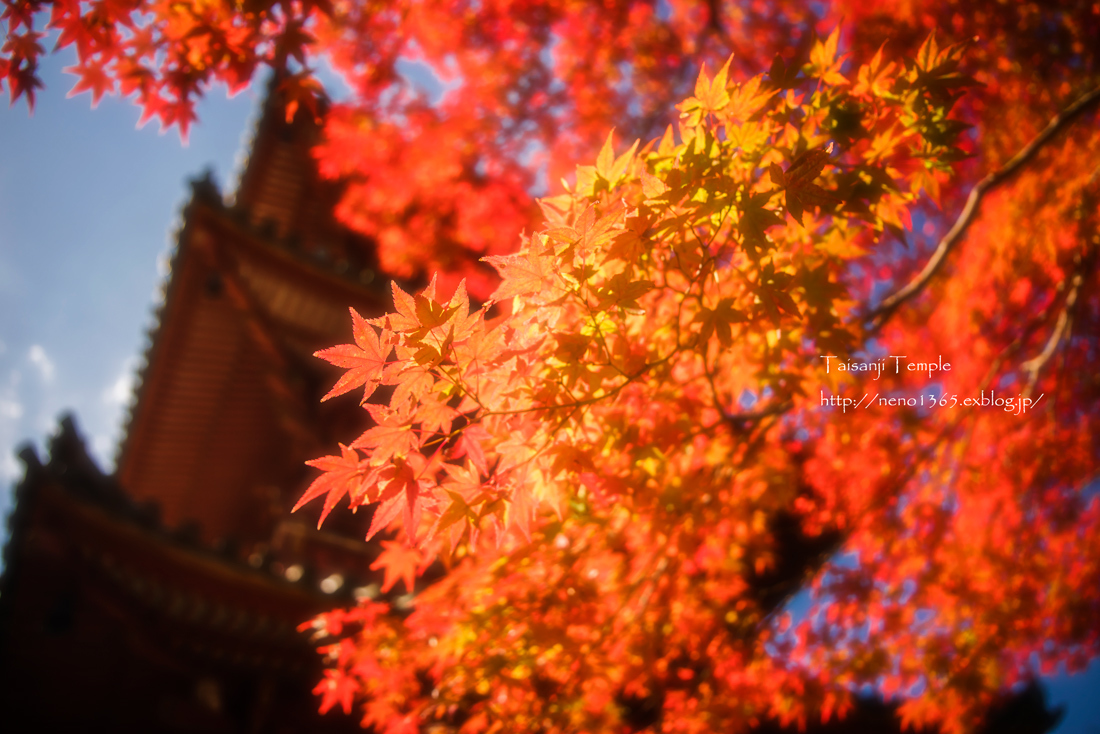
<point x="93" y="78"/>
<point x="363" y="360"/>
<point x="400" y="562"/>
<point x="402" y="493"/>
<point x="463" y="485"/>
<point x="180" y="112"/>
<point x="384" y="513"/>
<point x="394" y="436"/>
<point x="336" y="688"/>
<point x="469" y="444"/>
<point x="343" y="473"/>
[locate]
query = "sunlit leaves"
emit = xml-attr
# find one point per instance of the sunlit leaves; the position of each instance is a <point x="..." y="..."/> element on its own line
<point x="824" y="60"/>
<point x="625" y="456"/>
<point x="342" y="474"/>
<point x="627" y="401"/>
<point x="611" y="168"/>
<point x="164" y="54"/>
<point x="400" y="563"/>
<point x="797" y="182"/>
<point x="526" y="273"/>
<point x="711" y="96"/>
<point x="365" y="360"/>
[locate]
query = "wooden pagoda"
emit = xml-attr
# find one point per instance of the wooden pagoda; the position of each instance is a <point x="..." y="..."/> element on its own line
<point x="167" y="597"/>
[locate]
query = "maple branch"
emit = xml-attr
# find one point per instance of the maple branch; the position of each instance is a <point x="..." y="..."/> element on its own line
<point x="1064" y="326"/>
<point x="889" y="305"/>
<point x="654" y="580"/>
<point x="1035" y="365"/>
<point x="739" y="422"/>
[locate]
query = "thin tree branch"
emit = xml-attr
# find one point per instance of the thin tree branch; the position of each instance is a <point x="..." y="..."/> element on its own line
<point x="1035" y="365"/>
<point x="882" y="313"/>
<point x="1063" y="328"/>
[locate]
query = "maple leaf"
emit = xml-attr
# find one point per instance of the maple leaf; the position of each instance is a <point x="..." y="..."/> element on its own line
<point x="152" y="105"/>
<point x="336" y="688"/>
<point x="652" y="186"/>
<point x="431" y="314"/>
<point x="301" y="90"/>
<point x="435" y="415"/>
<point x="710" y="95"/>
<point x="404" y="319"/>
<point x="824" y="60"/>
<point x="18" y="15"/>
<point x="24" y="45"/>
<point x="521" y="510"/>
<point x="181" y="113"/>
<point x="93" y="78"/>
<point x="797" y="182"/>
<point x="297" y="40"/>
<point x="748" y="99"/>
<point x="629" y="243"/>
<point x="463" y="323"/>
<point x="400" y="482"/>
<point x="413" y="376"/>
<point x="755" y="220"/>
<point x="621" y="290"/>
<point x="589" y="236"/>
<point x="610" y="168"/>
<point x="929" y="55"/>
<point x="464" y="488"/>
<point x="469" y="444"/>
<point x="401" y="562"/>
<point x="394" y="436"/>
<point x="342" y="474"/>
<point x="719" y="320"/>
<point x="365" y="360"/>
<point x="524" y="274"/>
<point x="133" y="77"/>
<point x="384" y="513"/>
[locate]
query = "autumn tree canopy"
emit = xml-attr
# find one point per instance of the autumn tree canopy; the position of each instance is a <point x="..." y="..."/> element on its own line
<point x="830" y="323"/>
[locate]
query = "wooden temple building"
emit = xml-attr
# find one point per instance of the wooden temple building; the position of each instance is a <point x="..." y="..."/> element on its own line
<point x="167" y="597"/>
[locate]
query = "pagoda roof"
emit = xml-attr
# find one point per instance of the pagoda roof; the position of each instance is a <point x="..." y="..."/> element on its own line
<point x="226" y="408"/>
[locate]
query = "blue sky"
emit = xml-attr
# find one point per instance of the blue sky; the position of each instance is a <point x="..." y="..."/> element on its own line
<point x="88" y="206"/>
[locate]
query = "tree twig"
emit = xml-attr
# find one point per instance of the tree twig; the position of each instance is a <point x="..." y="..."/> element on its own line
<point x="1083" y="264"/>
<point x="889" y="305"/>
<point x="1035" y="365"/>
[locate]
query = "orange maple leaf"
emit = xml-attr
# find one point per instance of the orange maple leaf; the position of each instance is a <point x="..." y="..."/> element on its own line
<point x="402" y="493"/>
<point x="343" y="473"/>
<point x="404" y="317"/>
<point x="363" y="360"/>
<point x="523" y="274"/>
<point x="394" y="436"/>
<point x="400" y="562"/>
